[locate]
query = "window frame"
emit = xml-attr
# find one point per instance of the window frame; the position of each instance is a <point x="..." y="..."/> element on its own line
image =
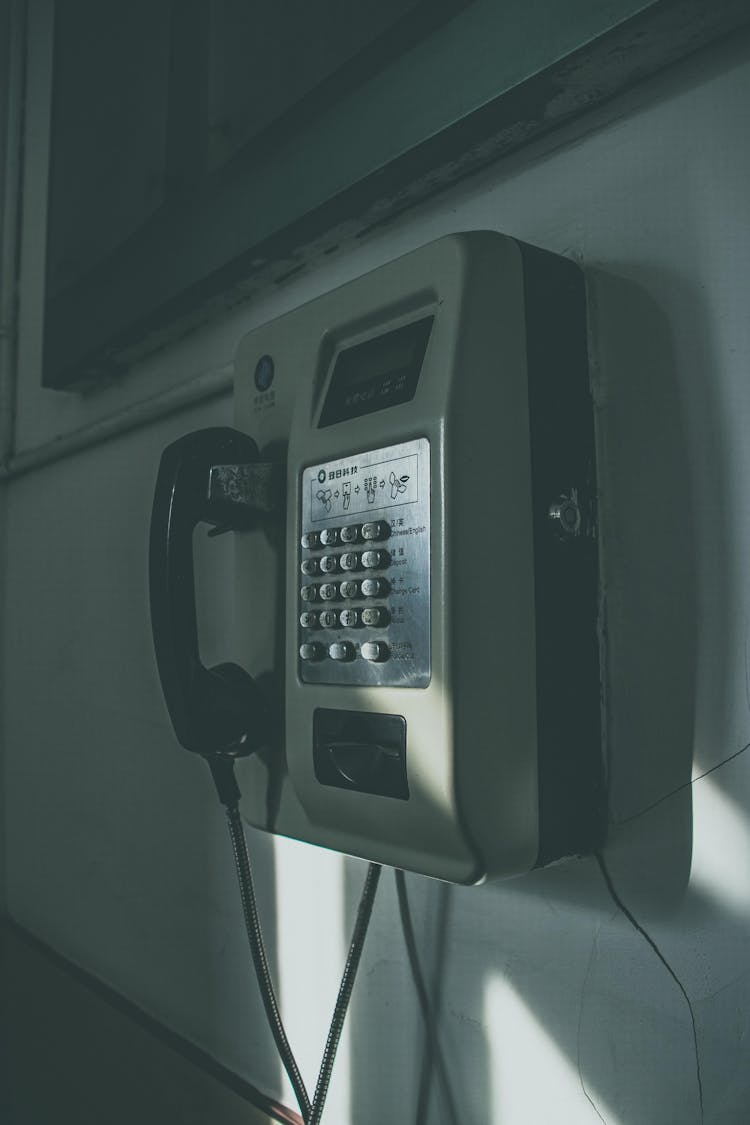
<point x="261" y="221"/>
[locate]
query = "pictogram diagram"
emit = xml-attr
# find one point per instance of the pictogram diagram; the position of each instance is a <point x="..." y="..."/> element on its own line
<point x="398" y="484"/>
<point x="375" y="485"/>
<point x="371" y="484"/>
<point x="325" y="495"/>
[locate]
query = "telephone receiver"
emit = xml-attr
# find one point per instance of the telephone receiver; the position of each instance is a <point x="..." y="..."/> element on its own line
<point x="210" y="476"/>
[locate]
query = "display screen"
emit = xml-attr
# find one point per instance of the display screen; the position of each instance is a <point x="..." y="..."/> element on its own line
<point x="377" y="374"/>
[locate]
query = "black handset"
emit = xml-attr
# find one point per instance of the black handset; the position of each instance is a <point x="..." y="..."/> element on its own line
<point x="209" y="476"/>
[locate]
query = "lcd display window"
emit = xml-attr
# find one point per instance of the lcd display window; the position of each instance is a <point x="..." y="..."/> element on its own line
<point x="377" y="374"/>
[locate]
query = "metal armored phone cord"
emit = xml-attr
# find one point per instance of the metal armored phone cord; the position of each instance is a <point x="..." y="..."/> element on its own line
<point x="223" y="772"/>
<point x="347" y="983"/>
<point x="260" y="961"/>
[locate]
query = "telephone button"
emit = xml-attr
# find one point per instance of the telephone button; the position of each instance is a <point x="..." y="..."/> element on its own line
<point x="329" y="619"/>
<point x="329" y="536"/>
<point x="376" y="530"/>
<point x="349" y="560"/>
<point x="349" y="618"/>
<point x="312" y="651"/>
<point x="375" y="651"/>
<point x="375" y="616"/>
<point x="310" y="540"/>
<point x="329" y="564"/>
<point x="329" y="591"/>
<point x="310" y="567"/>
<point x="308" y="620"/>
<point x="341" y="650"/>
<point x="309" y="593"/>
<point x="374" y="587"/>
<point x="350" y="534"/>
<point x="349" y="589"/>
<point x="372" y="560"/>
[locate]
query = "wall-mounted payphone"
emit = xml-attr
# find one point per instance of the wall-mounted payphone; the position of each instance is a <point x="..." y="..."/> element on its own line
<point x="422" y="632"/>
<point x="439" y="662"/>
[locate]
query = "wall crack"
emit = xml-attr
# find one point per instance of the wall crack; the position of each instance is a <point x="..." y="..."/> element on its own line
<point x="650" y="941"/>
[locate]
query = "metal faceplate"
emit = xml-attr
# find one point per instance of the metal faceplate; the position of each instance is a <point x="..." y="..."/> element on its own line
<point x="364" y="568"/>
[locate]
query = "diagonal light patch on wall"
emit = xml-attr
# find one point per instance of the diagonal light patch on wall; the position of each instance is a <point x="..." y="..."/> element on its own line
<point x="721" y="848"/>
<point x="530" y="1077"/>
<point x="310" y="924"/>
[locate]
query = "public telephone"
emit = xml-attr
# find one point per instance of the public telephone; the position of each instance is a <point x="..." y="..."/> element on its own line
<point x="418" y="604"/>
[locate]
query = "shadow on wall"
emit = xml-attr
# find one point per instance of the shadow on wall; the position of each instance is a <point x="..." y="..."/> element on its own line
<point x="128" y="869"/>
<point x="556" y="939"/>
<point x="669" y="577"/>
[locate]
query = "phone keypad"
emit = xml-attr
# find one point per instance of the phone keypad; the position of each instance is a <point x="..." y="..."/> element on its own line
<point x="371" y="651"/>
<point x="374" y="650"/>
<point x="364" y="614"/>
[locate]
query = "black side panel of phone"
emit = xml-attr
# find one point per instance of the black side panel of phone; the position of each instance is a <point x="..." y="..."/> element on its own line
<point x="566" y="571"/>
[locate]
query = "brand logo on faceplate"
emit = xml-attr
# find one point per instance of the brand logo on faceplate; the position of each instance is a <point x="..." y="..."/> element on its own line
<point x="337" y="474"/>
<point x="264" y="370"/>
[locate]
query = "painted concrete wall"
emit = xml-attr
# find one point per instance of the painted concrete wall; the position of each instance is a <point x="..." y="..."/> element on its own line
<point x="555" y="1004"/>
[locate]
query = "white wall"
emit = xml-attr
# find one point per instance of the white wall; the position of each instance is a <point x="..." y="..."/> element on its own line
<point x="554" y="1007"/>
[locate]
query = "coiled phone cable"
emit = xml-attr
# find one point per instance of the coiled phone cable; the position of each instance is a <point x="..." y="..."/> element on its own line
<point x="223" y="772"/>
